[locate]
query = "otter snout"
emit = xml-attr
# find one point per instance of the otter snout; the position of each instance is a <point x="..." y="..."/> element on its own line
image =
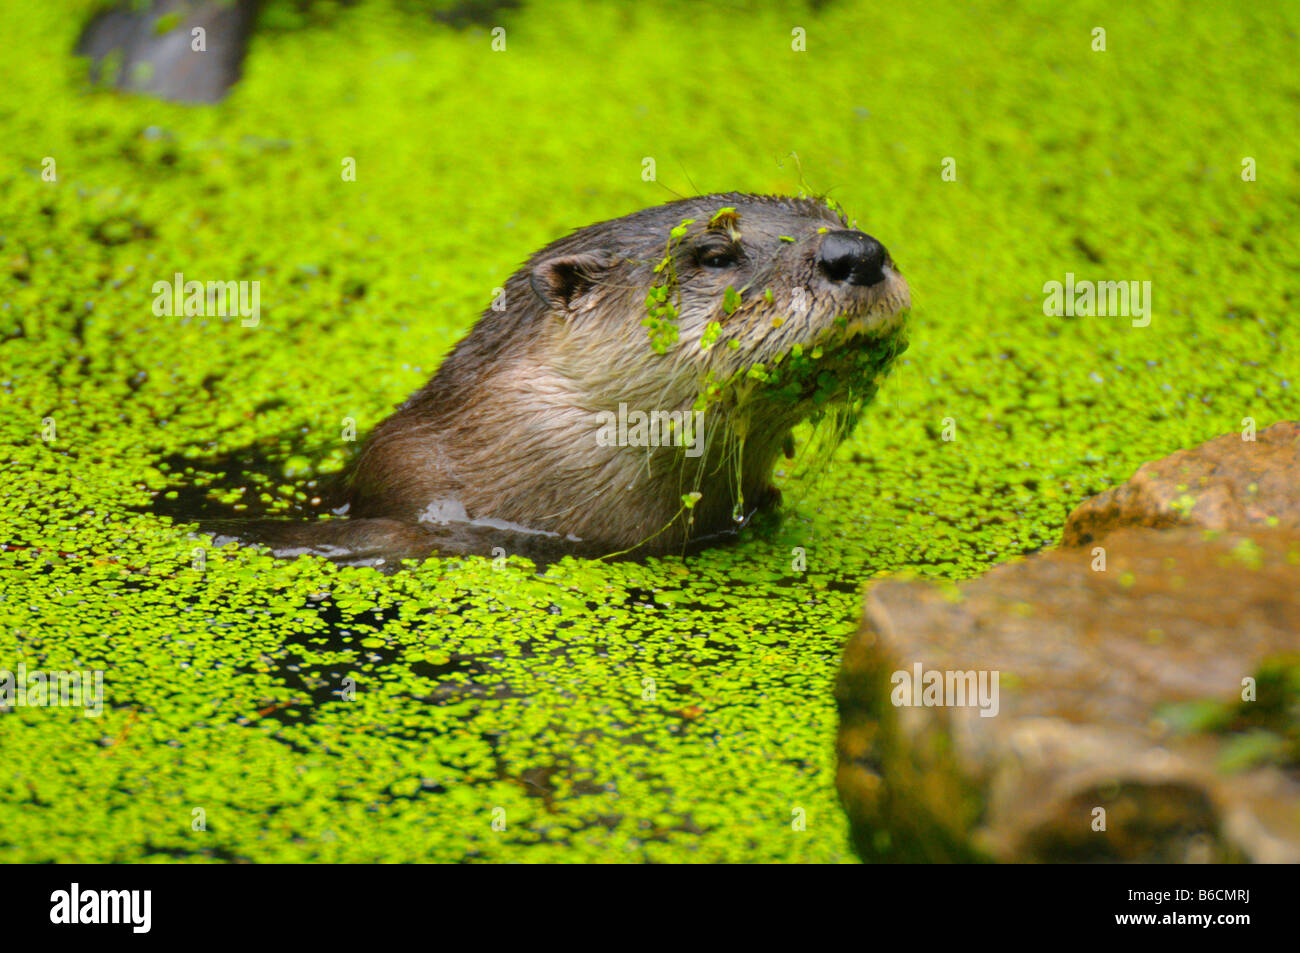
<point x="852" y="256"/>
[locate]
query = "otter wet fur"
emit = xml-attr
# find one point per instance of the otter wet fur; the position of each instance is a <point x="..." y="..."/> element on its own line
<point x="631" y="391"/>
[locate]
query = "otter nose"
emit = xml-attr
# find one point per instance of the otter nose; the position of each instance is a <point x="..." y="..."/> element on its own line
<point x="852" y="256"/>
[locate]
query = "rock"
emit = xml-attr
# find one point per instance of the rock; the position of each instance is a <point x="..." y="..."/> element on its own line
<point x="1227" y="482"/>
<point x="151" y="50"/>
<point x="1109" y="681"/>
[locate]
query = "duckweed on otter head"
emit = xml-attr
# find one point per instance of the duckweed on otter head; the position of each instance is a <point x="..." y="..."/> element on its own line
<point x="675" y="710"/>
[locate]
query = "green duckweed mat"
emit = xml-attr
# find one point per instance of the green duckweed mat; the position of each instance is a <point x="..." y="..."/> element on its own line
<point x="677" y="710"/>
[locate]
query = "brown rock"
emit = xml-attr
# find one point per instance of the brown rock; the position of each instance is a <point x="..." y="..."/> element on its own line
<point x="1093" y="666"/>
<point x="1225" y="483"/>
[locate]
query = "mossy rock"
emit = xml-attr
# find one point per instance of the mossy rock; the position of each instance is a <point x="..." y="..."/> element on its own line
<point x="1132" y="703"/>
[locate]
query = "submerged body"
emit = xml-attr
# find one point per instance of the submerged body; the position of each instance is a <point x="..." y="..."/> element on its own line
<point x="633" y="387"/>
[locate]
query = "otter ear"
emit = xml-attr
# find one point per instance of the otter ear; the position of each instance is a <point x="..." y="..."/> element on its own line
<point x="562" y="280"/>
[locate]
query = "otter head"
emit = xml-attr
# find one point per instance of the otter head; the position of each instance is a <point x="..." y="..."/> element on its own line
<point x="694" y="336"/>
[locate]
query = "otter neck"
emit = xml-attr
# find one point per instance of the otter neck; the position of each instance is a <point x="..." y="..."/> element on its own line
<point x="617" y="451"/>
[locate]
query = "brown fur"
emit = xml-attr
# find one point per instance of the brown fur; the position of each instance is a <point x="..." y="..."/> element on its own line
<point x="507" y="427"/>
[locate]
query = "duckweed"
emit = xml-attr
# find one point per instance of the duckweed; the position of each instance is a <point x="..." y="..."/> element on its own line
<point x="676" y="710"/>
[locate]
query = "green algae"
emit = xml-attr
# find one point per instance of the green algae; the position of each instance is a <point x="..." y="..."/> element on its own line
<point x="1263" y="727"/>
<point x="678" y="710"/>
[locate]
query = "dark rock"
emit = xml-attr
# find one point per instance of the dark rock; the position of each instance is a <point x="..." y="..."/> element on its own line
<point x="1097" y="670"/>
<point x="151" y="51"/>
<point x="1225" y="483"/>
<point x="148" y="49"/>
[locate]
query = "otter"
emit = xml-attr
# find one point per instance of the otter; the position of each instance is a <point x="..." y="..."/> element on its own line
<point x="631" y="390"/>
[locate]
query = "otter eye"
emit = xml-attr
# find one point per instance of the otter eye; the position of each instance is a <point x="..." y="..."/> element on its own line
<point x="718" y="257"/>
